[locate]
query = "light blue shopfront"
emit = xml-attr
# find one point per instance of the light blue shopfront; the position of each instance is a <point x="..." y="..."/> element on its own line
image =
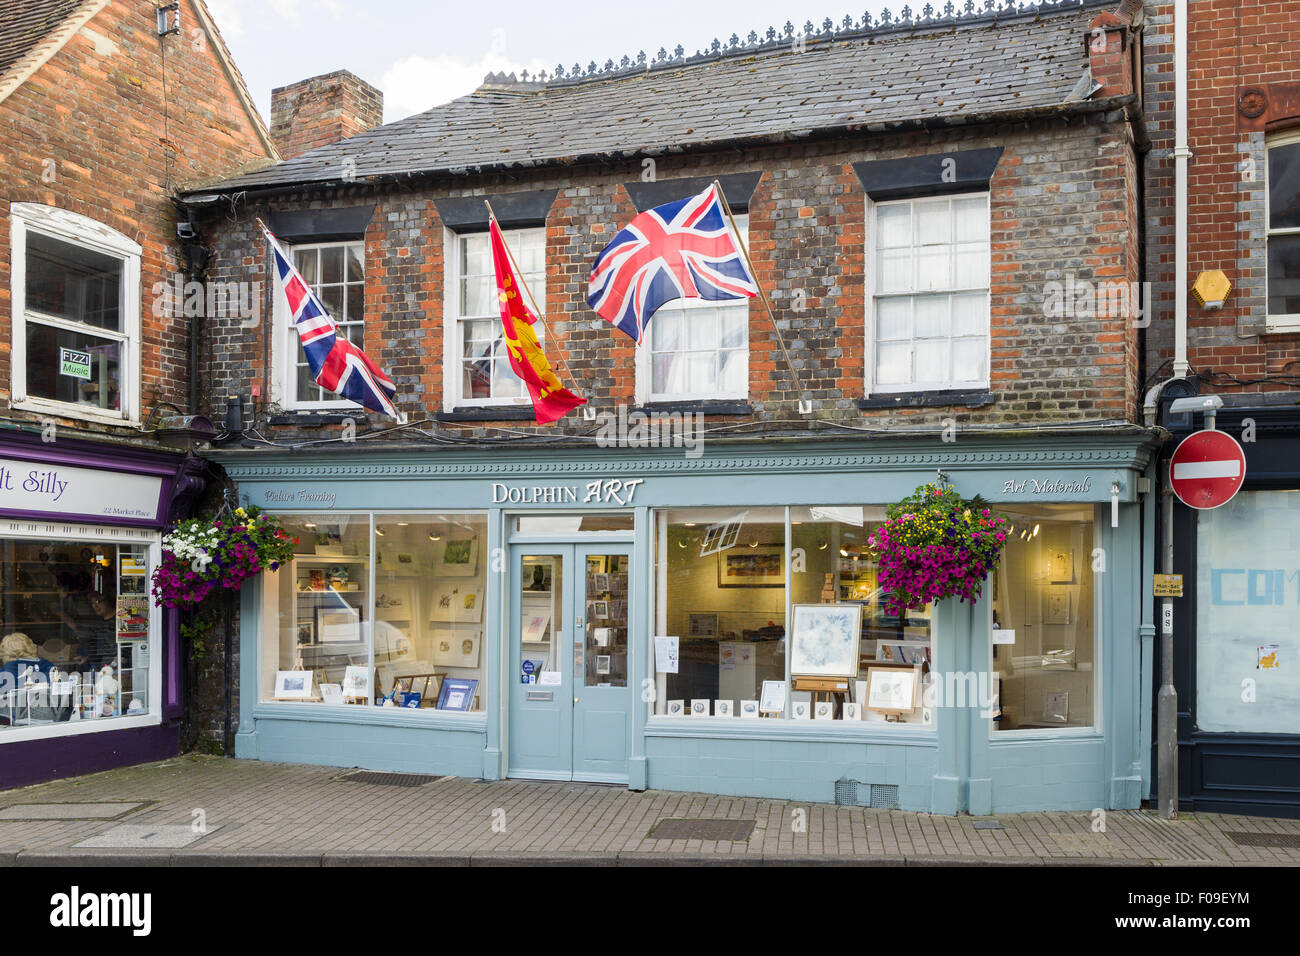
<point x="955" y="764"/>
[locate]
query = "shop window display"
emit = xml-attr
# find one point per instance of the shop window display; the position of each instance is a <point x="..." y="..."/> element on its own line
<point x="76" y="631"/>
<point x="413" y="640"/>
<point x="723" y="593"/>
<point x="1043" y="632"/>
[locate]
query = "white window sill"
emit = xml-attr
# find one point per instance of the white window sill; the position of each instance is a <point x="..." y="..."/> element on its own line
<point x="70" y="728"/>
<point x="77" y="412"/>
<point x="1281" y="324"/>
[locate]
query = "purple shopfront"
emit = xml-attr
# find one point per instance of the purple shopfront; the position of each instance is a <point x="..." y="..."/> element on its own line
<point x="90" y="670"/>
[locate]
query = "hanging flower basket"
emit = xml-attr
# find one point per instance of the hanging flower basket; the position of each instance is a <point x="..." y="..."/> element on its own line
<point x="202" y="554"/>
<point x="936" y="545"/>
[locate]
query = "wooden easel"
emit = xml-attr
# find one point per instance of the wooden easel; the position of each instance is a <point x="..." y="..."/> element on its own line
<point x="833" y="689"/>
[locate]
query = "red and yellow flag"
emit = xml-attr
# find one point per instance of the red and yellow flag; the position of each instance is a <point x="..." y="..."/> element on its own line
<point x="551" y="400"/>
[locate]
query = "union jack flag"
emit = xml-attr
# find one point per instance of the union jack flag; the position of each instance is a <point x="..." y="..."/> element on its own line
<point x="680" y="250"/>
<point x="336" y="364"/>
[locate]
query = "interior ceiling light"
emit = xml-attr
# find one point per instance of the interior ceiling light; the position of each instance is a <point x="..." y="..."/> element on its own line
<point x="1035" y="534"/>
<point x="379" y="531"/>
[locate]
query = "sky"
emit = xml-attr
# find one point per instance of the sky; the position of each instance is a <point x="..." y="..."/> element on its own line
<point x="421" y="54"/>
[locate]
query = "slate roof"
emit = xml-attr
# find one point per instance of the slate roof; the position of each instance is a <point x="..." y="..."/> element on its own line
<point x="962" y="70"/>
<point x="24" y="23"/>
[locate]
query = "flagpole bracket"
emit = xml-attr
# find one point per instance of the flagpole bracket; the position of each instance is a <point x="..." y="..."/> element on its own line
<point x="805" y="406"/>
<point x="588" y="413"/>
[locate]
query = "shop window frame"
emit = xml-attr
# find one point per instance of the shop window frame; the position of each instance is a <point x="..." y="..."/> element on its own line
<point x="1096" y="729"/>
<point x="784" y="727"/>
<point x="268" y="611"/>
<point x="100" y="534"/>
<point x="87" y="233"/>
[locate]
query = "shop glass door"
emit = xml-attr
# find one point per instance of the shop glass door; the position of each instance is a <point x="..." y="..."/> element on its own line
<point x="570" y="705"/>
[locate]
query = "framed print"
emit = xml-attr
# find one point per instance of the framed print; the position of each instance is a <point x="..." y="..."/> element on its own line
<point x="722" y="708"/>
<point x="393" y="603"/>
<point x="455" y="648"/>
<point x="602" y="663"/>
<point x="337" y="627"/>
<point x="602" y="636"/>
<point x="824" y="710"/>
<point x="902" y="652"/>
<point x="356" y="682"/>
<point x="1060" y="569"/>
<point x="761" y="567"/>
<point x="1056" y="606"/>
<point x="891" y="690"/>
<point x="703" y="625"/>
<point x="749" y="708"/>
<point x="331" y="693"/>
<point x="306" y="632"/>
<point x="849" y="711"/>
<point x="772" y="699"/>
<point x="595" y="564"/>
<point x="600" y="583"/>
<point x="457" y="603"/>
<point x="457" y="694"/>
<point x="456" y="556"/>
<point x="293" y="685"/>
<point x="534" y="631"/>
<point x="801" y="710"/>
<point x="675" y="708"/>
<point x="700" y="708"/>
<point x="825" y="640"/>
<point x="599" y="610"/>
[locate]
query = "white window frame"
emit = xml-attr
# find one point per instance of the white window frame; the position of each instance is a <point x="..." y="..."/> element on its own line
<point x="286" y="348"/>
<point x="81" y="231"/>
<point x="105" y="534"/>
<point x="453" y="351"/>
<point x="644" y="389"/>
<point x="869" y="372"/>
<point x="1284" y="322"/>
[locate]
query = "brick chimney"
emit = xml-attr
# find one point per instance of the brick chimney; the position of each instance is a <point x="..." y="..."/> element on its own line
<point x="323" y="110"/>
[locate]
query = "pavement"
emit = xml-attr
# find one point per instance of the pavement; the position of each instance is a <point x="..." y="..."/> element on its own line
<point x="197" y="810"/>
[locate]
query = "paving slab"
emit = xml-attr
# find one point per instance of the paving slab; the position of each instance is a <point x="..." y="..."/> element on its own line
<point x="143" y="836"/>
<point x="67" y="811"/>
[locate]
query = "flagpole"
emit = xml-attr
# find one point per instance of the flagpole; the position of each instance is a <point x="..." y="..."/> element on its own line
<point x="559" y="349"/>
<point x="762" y="294"/>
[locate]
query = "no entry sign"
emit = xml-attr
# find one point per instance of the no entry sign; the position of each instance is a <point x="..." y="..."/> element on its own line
<point x="1207" y="469"/>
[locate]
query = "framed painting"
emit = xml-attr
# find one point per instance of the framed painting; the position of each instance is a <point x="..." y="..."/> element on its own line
<point x="703" y="625"/>
<point x="457" y="694"/>
<point x="293" y="685"/>
<point x="457" y="603"/>
<point x="337" y="627"/>
<point x="452" y="648"/>
<point x="891" y="690"/>
<point x="825" y="640"/>
<point x="456" y="556"/>
<point x="760" y="567"/>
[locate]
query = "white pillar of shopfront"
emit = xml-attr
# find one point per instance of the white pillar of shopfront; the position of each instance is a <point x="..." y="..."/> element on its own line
<point x="952" y="725"/>
<point x="640" y="646"/>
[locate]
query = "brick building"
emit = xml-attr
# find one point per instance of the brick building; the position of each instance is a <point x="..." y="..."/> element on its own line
<point x="946" y="216"/>
<point x="103" y="114"/>
<point x="1234" y="627"/>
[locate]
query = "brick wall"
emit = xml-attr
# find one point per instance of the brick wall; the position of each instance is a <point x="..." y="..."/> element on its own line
<point x="93" y="132"/>
<point x="1233" y="44"/>
<point x="1064" y="204"/>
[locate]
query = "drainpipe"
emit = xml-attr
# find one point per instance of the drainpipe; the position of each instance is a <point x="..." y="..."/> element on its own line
<point x="1181" y="155"/>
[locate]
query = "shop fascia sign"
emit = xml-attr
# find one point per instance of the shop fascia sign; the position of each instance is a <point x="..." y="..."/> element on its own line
<point x="603" y="491"/>
<point x="1047" y="486"/>
<point x="66" y="490"/>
